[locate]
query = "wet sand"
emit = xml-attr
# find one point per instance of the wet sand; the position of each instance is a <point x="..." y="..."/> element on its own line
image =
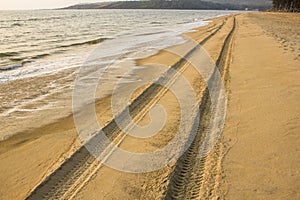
<point x="154" y="185"/>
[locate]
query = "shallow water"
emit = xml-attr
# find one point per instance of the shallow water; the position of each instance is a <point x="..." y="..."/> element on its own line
<point x="40" y="52"/>
<point x="29" y="36"/>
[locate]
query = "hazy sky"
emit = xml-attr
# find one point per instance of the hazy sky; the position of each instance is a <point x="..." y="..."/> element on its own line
<point x="36" y="4"/>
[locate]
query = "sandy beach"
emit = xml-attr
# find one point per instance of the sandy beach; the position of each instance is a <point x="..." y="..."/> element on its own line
<point x="256" y="157"/>
<point x="263" y="113"/>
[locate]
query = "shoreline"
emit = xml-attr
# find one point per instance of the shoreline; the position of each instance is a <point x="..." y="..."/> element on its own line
<point x="70" y="73"/>
<point x="57" y="141"/>
<point x="44" y="133"/>
<point x="215" y="54"/>
<point x="34" y="86"/>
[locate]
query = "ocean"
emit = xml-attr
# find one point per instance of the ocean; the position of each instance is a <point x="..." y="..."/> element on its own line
<point x="40" y="44"/>
<point x="31" y="36"/>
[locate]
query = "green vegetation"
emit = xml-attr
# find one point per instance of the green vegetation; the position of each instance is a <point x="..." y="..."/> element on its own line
<point x="287" y="5"/>
<point x="179" y="4"/>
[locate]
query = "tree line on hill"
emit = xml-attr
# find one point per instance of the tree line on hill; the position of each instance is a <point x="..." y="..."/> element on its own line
<point x="287" y="5"/>
<point x="174" y="4"/>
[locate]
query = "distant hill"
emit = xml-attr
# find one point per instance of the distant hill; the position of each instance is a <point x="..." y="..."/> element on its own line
<point x="266" y="3"/>
<point x="179" y="4"/>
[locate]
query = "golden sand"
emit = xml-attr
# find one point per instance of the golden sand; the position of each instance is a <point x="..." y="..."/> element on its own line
<point x="257" y="156"/>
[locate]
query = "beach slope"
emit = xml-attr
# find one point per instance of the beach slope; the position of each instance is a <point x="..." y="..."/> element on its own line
<point x="263" y="116"/>
<point x="256" y="157"/>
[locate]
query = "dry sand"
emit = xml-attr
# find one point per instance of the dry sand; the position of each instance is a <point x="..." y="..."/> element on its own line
<point x="263" y="116"/>
<point x="259" y="138"/>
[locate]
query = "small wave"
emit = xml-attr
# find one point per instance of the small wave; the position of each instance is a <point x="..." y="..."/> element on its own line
<point x="8" y="54"/>
<point x="30" y="59"/>
<point x="40" y="56"/>
<point x="16" y="59"/>
<point x="90" y="42"/>
<point x="31" y="19"/>
<point x="152" y="33"/>
<point x="11" y="67"/>
<point x="156" y="23"/>
<point x="184" y="22"/>
<point x="27" y="61"/>
<point x="43" y="19"/>
<point x="16" y="24"/>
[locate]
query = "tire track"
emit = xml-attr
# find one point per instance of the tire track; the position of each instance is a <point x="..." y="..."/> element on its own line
<point x="74" y="173"/>
<point x="186" y="179"/>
